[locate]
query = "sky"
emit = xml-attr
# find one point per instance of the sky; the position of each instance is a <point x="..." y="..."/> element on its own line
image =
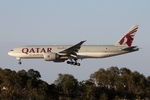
<point x="100" y="22"/>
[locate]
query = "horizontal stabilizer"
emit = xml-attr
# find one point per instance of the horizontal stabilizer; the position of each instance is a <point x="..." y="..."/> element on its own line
<point x="132" y="48"/>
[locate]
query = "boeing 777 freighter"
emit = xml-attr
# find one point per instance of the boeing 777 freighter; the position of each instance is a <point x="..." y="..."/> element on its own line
<point x="71" y="54"/>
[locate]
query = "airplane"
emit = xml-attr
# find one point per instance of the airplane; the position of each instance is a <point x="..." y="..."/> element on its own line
<point x="71" y="54"/>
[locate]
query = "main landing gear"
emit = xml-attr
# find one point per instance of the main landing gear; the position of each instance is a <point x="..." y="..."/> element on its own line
<point x="73" y="62"/>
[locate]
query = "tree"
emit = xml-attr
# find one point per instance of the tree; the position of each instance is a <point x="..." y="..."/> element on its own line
<point x="33" y="74"/>
<point x="67" y="84"/>
<point x="106" y="78"/>
<point x="105" y="84"/>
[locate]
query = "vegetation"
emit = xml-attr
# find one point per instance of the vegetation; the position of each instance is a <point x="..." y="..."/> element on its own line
<point x="105" y="84"/>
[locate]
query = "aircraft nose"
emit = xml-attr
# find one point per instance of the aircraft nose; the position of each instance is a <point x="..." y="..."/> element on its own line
<point x="10" y="53"/>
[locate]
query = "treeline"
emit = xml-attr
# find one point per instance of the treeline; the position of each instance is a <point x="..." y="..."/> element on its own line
<point x="105" y="84"/>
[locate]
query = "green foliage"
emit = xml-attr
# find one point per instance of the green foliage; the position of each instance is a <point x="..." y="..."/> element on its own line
<point x="67" y="85"/>
<point x="24" y="85"/>
<point x="105" y="84"/>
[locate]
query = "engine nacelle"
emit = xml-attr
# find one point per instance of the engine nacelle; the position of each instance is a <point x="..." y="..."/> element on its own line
<point x="51" y="56"/>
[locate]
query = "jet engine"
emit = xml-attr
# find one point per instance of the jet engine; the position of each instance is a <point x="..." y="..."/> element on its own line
<point x="51" y="56"/>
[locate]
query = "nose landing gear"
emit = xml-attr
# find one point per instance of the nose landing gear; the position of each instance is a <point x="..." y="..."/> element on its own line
<point x="19" y="61"/>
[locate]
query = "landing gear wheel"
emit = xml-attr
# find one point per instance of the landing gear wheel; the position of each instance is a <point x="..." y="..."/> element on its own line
<point x="73" y="63"/>
<point x="68" y="62"/>
<point x="78" y="64"/>
<point x="19" y="63"/>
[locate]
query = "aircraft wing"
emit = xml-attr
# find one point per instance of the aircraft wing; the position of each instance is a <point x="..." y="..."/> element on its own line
<point x="71" y="51"/>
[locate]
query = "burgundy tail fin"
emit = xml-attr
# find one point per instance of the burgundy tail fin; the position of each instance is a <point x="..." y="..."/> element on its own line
<point x="128" y="38"/>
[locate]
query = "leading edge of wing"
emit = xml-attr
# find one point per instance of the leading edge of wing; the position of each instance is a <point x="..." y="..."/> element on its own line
<point x="73" y="49"/>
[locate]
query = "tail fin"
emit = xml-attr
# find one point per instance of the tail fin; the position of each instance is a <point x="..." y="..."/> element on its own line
<point x="128" y="38"/>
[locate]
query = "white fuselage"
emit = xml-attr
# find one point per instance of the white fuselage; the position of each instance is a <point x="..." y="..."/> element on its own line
<point x="61" y="53"/>
<point x="86" y="51"/>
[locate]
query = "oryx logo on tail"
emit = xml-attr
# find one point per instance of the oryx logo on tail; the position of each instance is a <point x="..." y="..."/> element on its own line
<point x="128" y="38"/>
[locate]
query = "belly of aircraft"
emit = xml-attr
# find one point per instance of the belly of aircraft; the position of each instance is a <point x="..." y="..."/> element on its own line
<point x="97" y="54"/>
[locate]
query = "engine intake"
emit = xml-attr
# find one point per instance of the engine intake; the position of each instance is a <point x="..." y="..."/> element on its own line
<point x="51" y="56"/>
